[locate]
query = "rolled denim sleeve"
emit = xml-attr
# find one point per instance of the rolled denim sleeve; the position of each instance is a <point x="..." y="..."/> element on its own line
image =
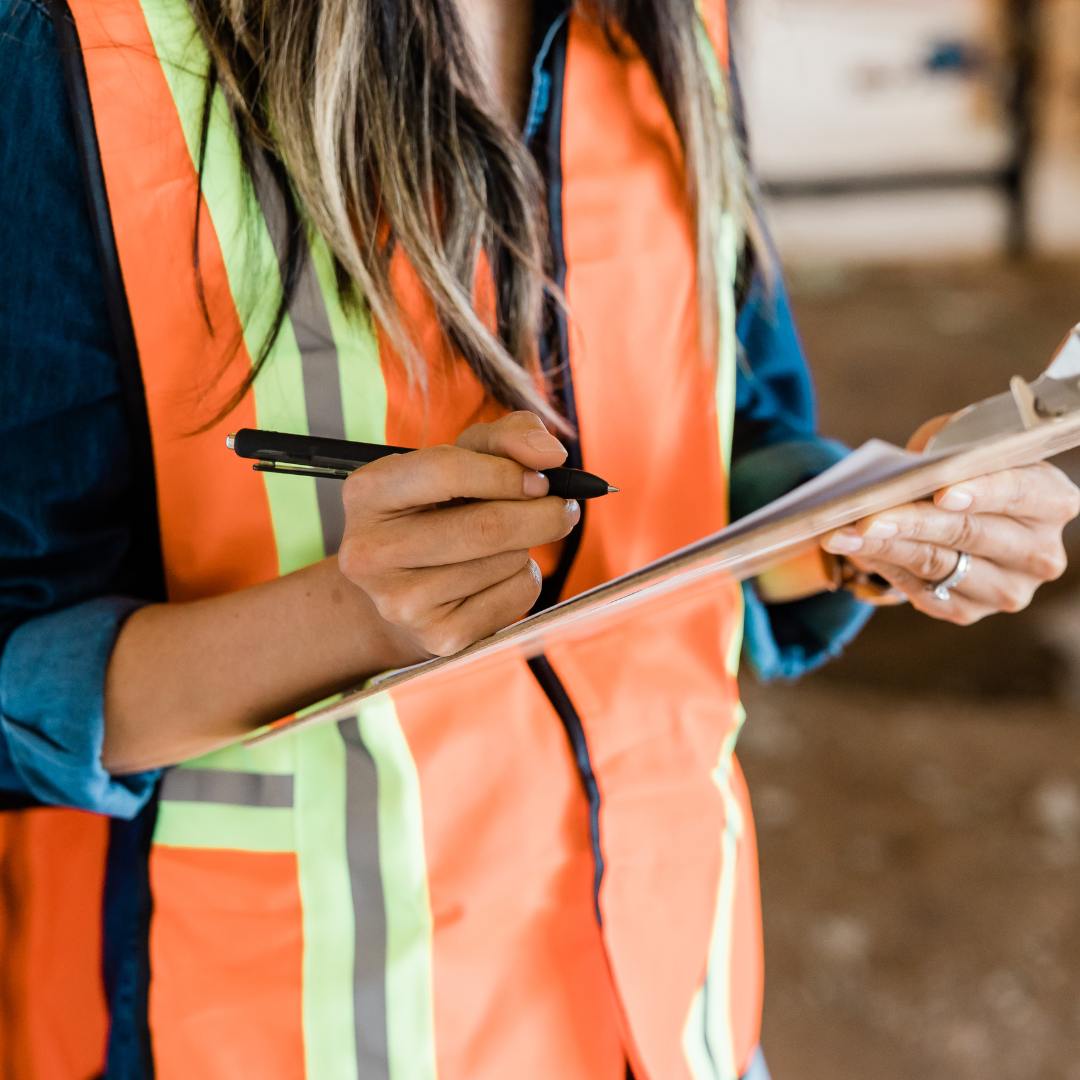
<point x="65" y="477"/>
<point x="52" y="691"/>
<point x="777" y="448"/>
<point x="785" y="641"/>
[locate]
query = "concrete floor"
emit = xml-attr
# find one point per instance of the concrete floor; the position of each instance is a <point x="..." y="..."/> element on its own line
<point x="919" y="802"/>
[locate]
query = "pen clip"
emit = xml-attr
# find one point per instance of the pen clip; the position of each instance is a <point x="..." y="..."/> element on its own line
<point x="301" y="470"/>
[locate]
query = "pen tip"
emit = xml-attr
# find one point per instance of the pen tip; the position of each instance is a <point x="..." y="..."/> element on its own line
<point x="230" y="441"/>
<point x="612" y="489"/>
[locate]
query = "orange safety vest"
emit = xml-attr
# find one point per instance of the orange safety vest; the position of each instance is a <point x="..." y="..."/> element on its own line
<point x="52" y="1003"/>
<point x="551" y="872"/>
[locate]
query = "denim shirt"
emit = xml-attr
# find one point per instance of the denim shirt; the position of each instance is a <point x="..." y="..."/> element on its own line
<point x="64" y="455"/>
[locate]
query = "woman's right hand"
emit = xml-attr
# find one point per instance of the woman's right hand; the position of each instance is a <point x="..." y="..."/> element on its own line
<point x="445" y="574"/>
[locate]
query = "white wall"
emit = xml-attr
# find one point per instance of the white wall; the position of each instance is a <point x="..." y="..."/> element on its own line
<point x="839" y="88"/>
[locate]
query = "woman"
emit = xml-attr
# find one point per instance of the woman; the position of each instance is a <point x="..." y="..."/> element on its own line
<point x="461" y="226"/>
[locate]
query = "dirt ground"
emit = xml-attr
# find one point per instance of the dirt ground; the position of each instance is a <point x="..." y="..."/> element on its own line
<point x="918" y="803"/>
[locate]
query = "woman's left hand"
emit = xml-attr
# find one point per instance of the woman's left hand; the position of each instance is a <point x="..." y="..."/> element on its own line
<point x="1010" y="523"/>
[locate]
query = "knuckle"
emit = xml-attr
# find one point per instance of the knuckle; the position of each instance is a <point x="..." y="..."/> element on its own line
<point x="930" y="563"/>
<point x="968" y="532"/>
<point x="520" y="596"/>
<point x="1014" y="598"/>
<point x="1016" y="490"/>
<point x="965" y="616"/>
<point x="563" y="520"/>
<point x="445" y="640"/>
<point x="873" y="548"/>
<point x="522" y="420"/>
<point x="387" y="605"/>
<point x="1068" y="504"/>
<point x="473" y="436"/>
<point x="508" y="563"/>
<point x="1049" y="563"/>
<point x="531" y="583"/>
<point x="357" y="558"/>
<point x="913" y="527"/>
<point x="442" y="459"/>
<point x="405" y="605"/>
<point x="357" y="486"/>
<point x="490" y="526"/>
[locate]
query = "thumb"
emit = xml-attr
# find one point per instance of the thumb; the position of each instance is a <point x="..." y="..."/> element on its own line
<point x="520" y="436"/>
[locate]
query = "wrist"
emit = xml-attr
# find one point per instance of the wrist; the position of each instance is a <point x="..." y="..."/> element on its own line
<point x="807" y="573"/>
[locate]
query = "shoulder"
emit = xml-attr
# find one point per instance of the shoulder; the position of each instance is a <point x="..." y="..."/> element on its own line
<point x="55" y="345"/>
<point x="32" y="96"/>
<point x="25" y="23"/>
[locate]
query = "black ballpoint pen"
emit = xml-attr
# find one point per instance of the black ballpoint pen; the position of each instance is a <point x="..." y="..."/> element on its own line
<point x="304" y="455"/>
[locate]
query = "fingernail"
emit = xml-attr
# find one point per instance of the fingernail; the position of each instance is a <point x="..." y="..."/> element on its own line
<point x="543" y="442"/>
<point x="534" y="484"/>
<point x="881" y="530"/>
<point x="573" y="509"/>
<point x="844" y="543"/>
<point x="956" y="499"/>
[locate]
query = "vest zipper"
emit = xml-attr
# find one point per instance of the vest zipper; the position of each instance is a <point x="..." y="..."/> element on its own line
<point x="555" y="341"/>
<point x="553" y="687"/>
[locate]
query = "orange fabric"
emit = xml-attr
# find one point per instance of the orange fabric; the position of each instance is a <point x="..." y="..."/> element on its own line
<point x="525" y="981"/>
<point x="656" y="708"/>
<point x="232" y="951"/>
<point x="53" y="1019"/>
<point x="215" y="522"/>
<point x="521" y="982"/>
<point x="455" y="398"/>
<point x="747" y="966"/>
<point x="715" y="15"/>
<point x="216" y="535"/>
<point x="648" y="419"/>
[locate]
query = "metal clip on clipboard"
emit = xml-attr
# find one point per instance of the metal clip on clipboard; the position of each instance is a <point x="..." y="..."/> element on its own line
<point x="1054" y="394"/>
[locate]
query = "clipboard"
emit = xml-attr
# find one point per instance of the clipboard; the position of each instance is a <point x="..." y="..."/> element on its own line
<point x="1042" y="421"/>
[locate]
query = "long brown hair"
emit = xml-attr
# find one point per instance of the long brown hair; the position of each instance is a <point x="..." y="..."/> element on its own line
<point x="380" y="134"/>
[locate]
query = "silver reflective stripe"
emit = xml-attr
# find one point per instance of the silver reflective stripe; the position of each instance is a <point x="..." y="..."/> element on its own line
<point x="228" y="787"/>
<point x="369" y="907"/>
<point x="325" y="416"/>
<point x="318" y="352"/>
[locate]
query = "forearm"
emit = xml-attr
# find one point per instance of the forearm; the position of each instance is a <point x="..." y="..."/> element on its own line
<point x="186" y="678"/>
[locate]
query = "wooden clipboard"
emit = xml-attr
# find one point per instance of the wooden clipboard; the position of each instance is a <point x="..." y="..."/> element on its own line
<point x="738" y="553"/>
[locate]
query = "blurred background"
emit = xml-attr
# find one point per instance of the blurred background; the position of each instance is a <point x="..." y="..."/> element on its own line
<point x="919" y="802"/>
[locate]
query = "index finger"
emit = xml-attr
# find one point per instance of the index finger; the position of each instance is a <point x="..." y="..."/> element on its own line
<point x="438" y="474"/>
<point x="519" y="435"/>
<point x="1036" y="493"/>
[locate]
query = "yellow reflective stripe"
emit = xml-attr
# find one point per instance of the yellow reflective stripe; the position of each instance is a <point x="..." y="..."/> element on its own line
<point x="708" y="1035"/>
<point x="326" y="899"/>
<point x="252" y="268"/>
<point x="275" y="759"/>
<point x="738" y="618"/>
<point x="410" y="1013"/>
<point x="727" y="365"/>
<point x="216" y="826"/>
<point x="695" y="1049"/>
<point x="708" y="1038"/>
<point x="290" y="386"/>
